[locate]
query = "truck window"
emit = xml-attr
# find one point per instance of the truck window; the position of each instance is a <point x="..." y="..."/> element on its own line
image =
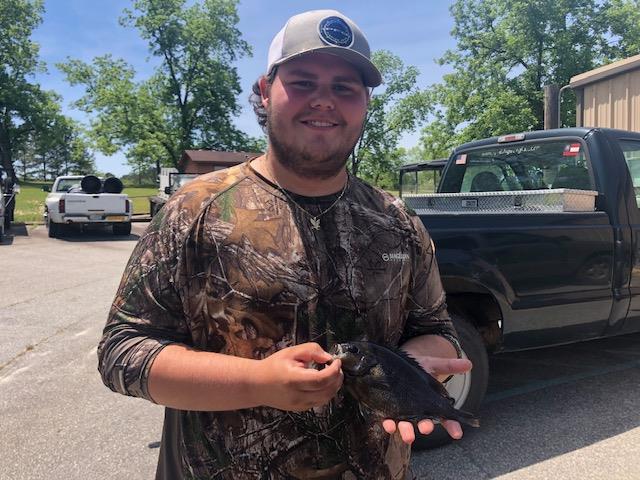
<point x="631" y="151"/>
<point x="534" y="165"/>
<point x="421" y="182"/>
<point x="65" y="185"/>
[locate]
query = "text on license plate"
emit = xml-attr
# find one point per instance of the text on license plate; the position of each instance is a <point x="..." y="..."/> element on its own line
<point x="116" y="218"/>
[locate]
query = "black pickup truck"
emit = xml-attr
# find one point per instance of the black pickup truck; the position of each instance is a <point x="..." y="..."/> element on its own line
<point x="537" y="237"/>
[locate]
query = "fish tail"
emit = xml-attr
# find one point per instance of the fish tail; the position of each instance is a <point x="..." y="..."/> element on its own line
<point x="467" y="418"/>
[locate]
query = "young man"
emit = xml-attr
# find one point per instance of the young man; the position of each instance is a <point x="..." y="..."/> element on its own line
<point x="249" y="274"/>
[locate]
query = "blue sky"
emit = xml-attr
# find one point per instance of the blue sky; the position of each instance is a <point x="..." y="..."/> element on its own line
<point x="418" y="32"/>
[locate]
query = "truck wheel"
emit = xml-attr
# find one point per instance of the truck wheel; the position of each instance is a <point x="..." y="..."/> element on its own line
<point x="467" y="389"/>
<point x="7" y="221"/>
<point x="53" y="229"/>
<point x="122" y="228"/>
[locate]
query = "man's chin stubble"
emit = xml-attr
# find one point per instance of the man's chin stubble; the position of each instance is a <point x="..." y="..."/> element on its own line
<point x="305" y="164"/>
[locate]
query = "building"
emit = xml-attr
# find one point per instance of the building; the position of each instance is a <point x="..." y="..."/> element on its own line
<point x="609" y="96"/>
<point x="204" y="161"/>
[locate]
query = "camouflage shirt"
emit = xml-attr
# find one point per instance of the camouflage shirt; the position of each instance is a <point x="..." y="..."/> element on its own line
<point x="230" y="265"/>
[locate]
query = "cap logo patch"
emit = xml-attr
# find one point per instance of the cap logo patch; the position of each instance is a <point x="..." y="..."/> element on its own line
<point x="335" y="31"/>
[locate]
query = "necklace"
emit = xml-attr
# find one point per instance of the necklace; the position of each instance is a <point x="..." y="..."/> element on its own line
<point x="314" y="219"/>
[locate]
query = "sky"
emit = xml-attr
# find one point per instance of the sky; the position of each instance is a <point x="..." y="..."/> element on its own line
<point x="418" y="32"/>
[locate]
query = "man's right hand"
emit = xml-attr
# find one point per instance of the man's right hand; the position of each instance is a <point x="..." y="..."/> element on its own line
<point x="287" y="383"/>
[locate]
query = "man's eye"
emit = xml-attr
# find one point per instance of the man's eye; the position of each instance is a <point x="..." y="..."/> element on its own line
<point x="302" y="84"/>
<point x="342" y="88"/>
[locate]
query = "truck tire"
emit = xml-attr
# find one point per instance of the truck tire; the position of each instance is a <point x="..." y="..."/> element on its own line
<point x="90" y="184"/>
<point x="112" y="185"/>
<point x="122" y="228"/>
<point x="53" y="229"/>
<point x="468" y="389"/>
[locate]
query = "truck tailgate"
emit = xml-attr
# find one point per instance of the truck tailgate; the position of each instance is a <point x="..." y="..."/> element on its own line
<point x="103" y="203"/>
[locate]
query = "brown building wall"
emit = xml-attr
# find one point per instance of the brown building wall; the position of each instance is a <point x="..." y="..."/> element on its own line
<point x="609" y="96"/>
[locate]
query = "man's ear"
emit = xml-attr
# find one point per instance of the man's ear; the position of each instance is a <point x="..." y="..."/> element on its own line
<point x="264" y="91"/>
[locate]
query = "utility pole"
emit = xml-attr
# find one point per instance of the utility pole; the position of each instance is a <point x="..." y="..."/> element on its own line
<point x="551" y="106"/>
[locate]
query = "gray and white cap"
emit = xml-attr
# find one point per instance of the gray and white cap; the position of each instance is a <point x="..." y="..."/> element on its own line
<point x="326" y="31"/>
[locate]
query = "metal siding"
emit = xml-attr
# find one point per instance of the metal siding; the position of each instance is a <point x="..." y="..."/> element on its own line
<point x="589" y="106"/>
<point x="603" y="104"/>
<point x="619" y="102"/>
<point x="634" y="101"/>
<point x="613" y="102"/>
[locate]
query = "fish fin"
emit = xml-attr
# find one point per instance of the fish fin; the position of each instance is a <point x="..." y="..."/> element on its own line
<point x="439" y="387"/>
<point x="407" y="357"/>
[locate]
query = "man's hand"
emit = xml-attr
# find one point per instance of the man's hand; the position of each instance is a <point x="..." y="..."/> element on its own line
<point x="438" y="366"/>
<point x="287" y="383"/>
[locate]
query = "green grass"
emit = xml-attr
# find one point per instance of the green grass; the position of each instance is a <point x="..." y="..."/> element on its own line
<point x="30" y="200"/>
<point x="140" y="198"/>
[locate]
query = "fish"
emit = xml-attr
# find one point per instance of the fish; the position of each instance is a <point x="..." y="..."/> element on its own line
<point x="392" y="384"/>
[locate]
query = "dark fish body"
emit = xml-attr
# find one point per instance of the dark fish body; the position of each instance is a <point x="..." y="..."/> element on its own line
<point x="394" y="385"/>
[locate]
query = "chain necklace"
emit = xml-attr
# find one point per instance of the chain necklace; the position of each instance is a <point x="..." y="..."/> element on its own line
<point x="314" y="219"/>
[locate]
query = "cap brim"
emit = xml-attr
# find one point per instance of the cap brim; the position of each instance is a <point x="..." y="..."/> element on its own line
<point x="370" y="74"/>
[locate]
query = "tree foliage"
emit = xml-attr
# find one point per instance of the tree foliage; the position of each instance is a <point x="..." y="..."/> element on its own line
<point x="400" y="107"/>
<point x="33" y="130"/>
<point x="190" y="100"/>
<point x="21" y="101"/>
<point x="507" y="50"/>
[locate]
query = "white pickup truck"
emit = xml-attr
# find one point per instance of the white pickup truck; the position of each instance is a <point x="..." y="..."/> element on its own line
<point x="87" y="200"/>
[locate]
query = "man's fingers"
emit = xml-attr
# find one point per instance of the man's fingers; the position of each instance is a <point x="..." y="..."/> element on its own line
<point x="453" y="428"/>
<point x="310" y="352"/>
<point x="407" y="432"/>
<point x="389" y="426"/>
<point x="425" y="427"/>
<point x="315" y="380"/>
<point x="447" y="366"/>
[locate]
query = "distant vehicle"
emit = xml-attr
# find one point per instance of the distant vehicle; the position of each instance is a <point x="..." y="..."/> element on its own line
<point x="422" y="177"/>
<point x="87" y="200"/>
<point x="195" y="162"/>
<point x="170" y="180"/>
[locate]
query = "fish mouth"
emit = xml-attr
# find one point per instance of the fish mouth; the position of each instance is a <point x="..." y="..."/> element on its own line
<point x="341" y="350"/>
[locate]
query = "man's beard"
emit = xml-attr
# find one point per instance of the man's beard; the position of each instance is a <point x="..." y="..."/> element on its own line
<point x="305" y="163"/>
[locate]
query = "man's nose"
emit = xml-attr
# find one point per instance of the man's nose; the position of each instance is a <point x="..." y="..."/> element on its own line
<point x="323" y="99"/>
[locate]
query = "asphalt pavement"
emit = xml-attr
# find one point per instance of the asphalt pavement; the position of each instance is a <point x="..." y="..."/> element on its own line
<point x="570" y="412"/>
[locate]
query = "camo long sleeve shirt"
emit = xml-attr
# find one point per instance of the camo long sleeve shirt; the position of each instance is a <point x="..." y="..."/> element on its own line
<point x="230" y="265"/>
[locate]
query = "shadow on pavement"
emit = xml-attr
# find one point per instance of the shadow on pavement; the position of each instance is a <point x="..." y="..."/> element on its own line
<point x="543" y="404"/>
<point x="76" y="233"/>
<point x="16" y="230"/>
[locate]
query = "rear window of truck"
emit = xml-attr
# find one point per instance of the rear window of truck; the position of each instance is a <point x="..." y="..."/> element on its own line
<point x="515" y="167"/>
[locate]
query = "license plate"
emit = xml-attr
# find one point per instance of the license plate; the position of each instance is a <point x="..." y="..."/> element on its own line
<point x="114" y="218"/>
<point x="95" y="217"/>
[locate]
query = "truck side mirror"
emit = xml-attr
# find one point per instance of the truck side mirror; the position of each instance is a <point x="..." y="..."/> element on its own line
<point x="46" y="188"/>
<point x="167" y="190"/>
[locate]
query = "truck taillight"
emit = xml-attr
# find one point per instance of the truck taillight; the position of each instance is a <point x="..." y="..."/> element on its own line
<point x="61" y="205"/>
<point x="126" y="206"/>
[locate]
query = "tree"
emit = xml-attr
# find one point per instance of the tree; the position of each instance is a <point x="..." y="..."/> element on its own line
<point x="21" y="102"/>
<point x="189" y="101"/>
<point x="399" y="108"/>
<point x="507" y="50"/>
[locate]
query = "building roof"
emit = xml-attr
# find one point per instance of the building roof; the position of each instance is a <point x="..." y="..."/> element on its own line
<point x="606" y="71"/>
<point x="216" y="158"/>
<point x="205" y="161"/>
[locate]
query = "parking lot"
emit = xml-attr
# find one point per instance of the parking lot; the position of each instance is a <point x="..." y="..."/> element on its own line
<point x="570" y="412"/>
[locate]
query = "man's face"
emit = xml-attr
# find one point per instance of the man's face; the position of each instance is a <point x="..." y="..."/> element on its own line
<point x="316" y="107"/>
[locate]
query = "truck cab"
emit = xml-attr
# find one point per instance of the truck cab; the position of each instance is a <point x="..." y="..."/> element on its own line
<point x="537" y="238"/>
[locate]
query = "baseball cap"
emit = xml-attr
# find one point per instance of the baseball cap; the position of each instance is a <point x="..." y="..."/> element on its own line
<point x="326" y="31"/>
